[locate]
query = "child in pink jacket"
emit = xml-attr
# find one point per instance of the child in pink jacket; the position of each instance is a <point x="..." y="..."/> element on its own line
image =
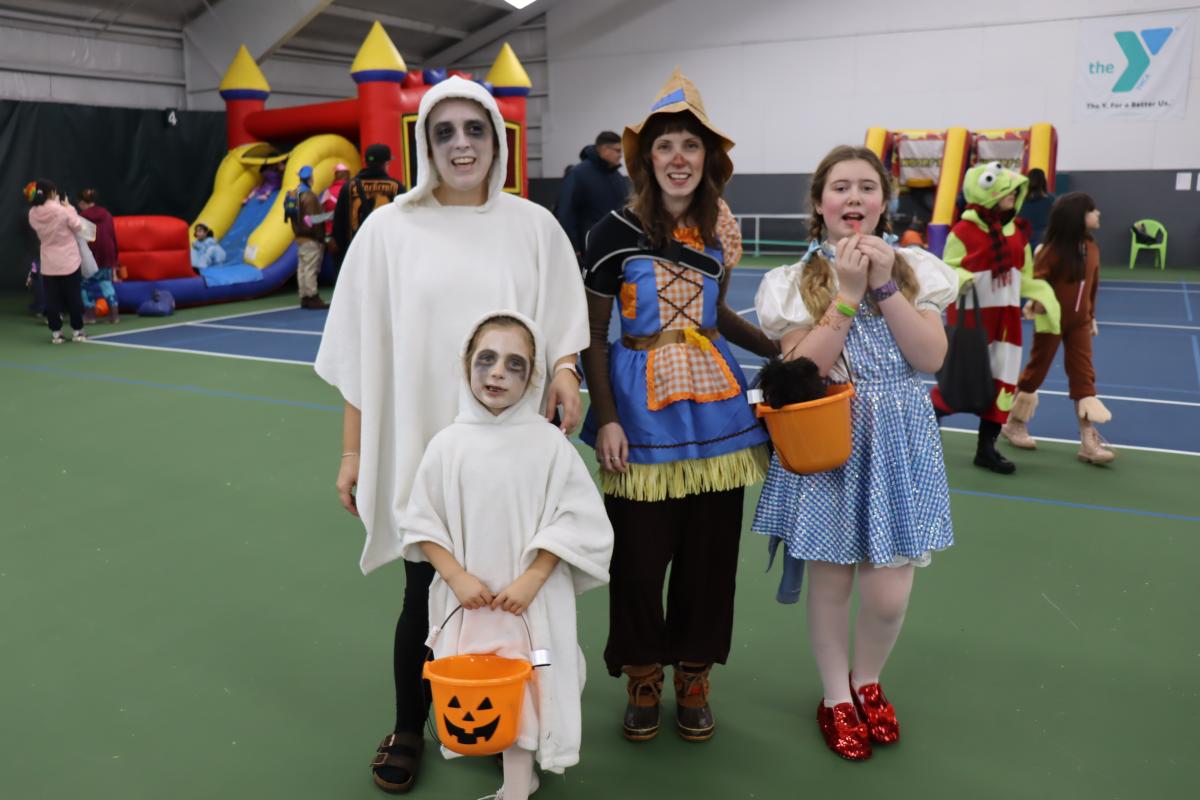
<point x="55" y="222"/>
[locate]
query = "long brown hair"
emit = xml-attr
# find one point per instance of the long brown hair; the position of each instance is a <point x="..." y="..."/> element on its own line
<point x="646" y="200"/>
<point x="1065" y="243"/>
<point x="817" y="281"/>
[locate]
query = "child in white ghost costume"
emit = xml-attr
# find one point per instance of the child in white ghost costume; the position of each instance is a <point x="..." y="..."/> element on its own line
<point x="500" y="500"/>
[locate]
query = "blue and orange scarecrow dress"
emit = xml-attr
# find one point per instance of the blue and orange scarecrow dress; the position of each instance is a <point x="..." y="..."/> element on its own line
<point x="678" y="391"/>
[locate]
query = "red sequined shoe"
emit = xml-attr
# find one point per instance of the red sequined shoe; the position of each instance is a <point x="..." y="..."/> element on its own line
<point x="845" y="734"/>
<point x="879" y="714"/>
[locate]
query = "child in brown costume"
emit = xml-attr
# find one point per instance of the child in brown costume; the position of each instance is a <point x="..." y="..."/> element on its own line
<point x="1070" y="260"/>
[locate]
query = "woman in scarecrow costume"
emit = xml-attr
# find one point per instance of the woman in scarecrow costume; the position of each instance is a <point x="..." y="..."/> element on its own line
<point x="990" y="252"/>
<point x="458" y="244"/>
<point x="676" y="441"/>
<point x="505" y="498"/>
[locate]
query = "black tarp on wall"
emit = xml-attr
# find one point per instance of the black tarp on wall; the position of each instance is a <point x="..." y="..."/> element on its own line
<point x="137" y="162"/>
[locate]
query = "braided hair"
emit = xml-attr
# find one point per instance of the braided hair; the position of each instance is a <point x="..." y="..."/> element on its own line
<point x="817" y="287"/>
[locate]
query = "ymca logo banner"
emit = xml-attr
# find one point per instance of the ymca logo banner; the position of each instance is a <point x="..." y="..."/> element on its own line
<point x="1133" y="67"/>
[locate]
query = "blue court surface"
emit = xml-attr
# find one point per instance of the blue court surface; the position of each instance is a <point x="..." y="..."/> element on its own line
<point x="1147" y="358"/>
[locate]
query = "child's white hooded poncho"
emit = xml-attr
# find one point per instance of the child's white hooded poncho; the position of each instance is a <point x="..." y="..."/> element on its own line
<point x="416" y="276"/>
<point x="493" y="490"/>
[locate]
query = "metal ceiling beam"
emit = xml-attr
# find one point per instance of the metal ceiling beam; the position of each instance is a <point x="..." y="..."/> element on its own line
<point x="56" y="23"/>
<point x="490" y="33"/>
<point x="212" y="39"/>
<point x="392" y="21"/>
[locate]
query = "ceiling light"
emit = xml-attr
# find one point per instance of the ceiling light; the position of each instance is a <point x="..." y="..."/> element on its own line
<point x="519" y="3"/>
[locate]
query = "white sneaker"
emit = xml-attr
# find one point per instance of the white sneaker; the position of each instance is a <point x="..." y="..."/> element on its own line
<point x="79" y="336"/>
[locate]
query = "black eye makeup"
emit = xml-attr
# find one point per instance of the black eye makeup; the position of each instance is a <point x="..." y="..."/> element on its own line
<point x="518" y="365"/>
<point x="473" y="128"/>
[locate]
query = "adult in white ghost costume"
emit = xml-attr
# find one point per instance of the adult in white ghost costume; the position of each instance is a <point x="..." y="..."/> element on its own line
<point x="419" y="273"/>
<point x="493" y="491"/>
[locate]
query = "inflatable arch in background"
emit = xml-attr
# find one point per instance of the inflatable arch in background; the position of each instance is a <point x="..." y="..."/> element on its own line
<point x="258" y="241"/>
<point x="938" y="159"/>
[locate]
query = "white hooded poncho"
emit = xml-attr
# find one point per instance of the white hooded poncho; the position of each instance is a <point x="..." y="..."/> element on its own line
<point x="493" y="490"/>
<point x="415" y="277"/>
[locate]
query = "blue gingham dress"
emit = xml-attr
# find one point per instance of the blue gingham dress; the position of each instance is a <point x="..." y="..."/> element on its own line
<point x="889" y="504"/>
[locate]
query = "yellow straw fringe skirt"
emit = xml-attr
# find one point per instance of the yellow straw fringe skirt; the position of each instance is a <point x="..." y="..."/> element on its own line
<point x="675" y="479"/>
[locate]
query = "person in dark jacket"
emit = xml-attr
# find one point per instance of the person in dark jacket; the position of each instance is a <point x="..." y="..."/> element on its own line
<point x="370" y="188"/>
<point x="310" y="241"/>
<point x="104" y="250"/>
<point x="592" y="188"/>
<point x="1038" y="203"/>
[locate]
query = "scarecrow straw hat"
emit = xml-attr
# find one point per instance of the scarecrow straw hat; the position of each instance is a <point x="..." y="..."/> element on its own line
<point x="677" y="94"/>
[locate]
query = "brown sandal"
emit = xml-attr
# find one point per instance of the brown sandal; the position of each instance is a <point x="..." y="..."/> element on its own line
<point x="399" y="751"/>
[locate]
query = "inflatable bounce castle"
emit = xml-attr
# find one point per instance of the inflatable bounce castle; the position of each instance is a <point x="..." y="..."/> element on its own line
<point x="266" y="150"/>
<point x="938" y="160"/>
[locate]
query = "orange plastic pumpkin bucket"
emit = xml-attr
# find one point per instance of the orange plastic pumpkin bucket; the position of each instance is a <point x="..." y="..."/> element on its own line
<point x="477" y="700"/>
<point x="813" y="436"/>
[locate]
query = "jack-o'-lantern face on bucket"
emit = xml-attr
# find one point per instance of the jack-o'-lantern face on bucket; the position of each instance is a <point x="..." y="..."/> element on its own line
<point x="470" y="728"/>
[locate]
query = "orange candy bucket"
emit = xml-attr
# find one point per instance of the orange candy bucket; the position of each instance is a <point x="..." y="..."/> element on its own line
<point x="477" y="700"/>
<point x="813" y="436"/>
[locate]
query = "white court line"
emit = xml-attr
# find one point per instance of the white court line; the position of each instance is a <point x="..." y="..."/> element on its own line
<point x="193" y="322"/>
<point x="1055" y="393"/>
<point x="202" y="352"/>
<point x="264" y="330"/>
<point x="1118" y="398"/>
<point x="1110" y="288"/>
<point x="745" y="311"/>
<point x="1115" y="445"/>
<point x="1152" y="325"/>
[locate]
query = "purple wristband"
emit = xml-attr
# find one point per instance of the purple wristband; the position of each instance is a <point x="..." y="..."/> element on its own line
<point x="885" y="291"/>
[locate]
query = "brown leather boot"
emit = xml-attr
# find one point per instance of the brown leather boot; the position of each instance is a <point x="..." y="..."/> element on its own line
<point x="693" y="716"/>
<point x="645" y="695"/>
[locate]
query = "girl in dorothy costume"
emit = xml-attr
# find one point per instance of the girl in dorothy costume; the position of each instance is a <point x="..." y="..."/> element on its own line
<point x="864" y="311"/>
<point x="676" y="442"/>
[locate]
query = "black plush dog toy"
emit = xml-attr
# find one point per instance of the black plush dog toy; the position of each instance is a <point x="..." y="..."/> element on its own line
<point x="786" y="382"/>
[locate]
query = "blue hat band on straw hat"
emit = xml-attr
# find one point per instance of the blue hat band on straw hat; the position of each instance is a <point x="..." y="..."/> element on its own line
<point x="676" y="96"/>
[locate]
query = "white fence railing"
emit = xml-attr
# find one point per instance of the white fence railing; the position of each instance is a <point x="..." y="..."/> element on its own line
<point x="772" y="234"/>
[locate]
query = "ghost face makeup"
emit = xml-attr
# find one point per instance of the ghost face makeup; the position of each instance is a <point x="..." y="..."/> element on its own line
<point x="462" y="144"/>
<point x="500" y="366"/>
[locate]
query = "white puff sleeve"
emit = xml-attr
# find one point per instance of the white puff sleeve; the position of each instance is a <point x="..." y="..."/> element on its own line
<point x="937" y="282"/>
<point x="778" y="302"/>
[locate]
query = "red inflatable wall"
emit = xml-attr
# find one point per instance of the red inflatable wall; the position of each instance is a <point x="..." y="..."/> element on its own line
<point x="154" y="248"/>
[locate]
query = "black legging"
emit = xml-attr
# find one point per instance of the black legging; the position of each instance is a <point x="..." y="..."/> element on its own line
<point x="409" y="653"/>
<point x="64" y="291"/>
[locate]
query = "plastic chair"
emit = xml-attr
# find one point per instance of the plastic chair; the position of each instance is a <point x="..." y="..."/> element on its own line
<point x="1152" y="228"/>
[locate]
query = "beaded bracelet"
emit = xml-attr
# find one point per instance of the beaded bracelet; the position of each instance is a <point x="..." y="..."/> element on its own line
<point x="885" y="291"/>
<point x="349" y="453"/>
<point x="845" y="309"/>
